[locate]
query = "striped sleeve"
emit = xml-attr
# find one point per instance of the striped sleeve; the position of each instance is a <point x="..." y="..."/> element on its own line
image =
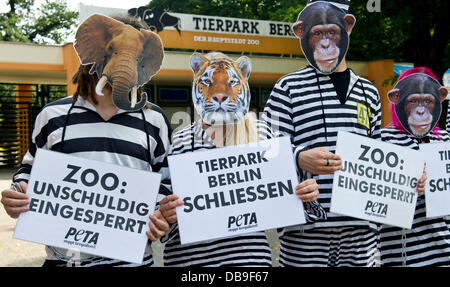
<point x="278" y="110"/>
<point x="448" y="118"/>
<point x="181" y="143"/>
<point x="278" y="114"/>
<point x="24" y="171"/>
<point x="43" y="126"/>
<point x="160" y="151"/>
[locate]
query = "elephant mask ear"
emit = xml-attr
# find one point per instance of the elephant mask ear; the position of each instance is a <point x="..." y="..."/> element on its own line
<point x="91" y="39"/>
<point x="151" y="57"/>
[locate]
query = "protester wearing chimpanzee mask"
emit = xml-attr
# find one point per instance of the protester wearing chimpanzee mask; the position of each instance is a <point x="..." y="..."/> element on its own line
<point x="311" y="105"/>
<point x="415" y="110"/>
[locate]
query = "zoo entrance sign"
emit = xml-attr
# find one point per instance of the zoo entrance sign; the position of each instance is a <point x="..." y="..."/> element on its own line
<point x="188" y="31"/>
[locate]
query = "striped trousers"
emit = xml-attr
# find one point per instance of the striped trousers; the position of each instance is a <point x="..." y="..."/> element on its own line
<point x="426" y="244"/>
<point x="322" y="247"/>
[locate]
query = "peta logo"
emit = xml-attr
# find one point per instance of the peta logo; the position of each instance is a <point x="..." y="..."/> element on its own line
<point x="376" y="208"/>
<point x="81" y="237"/>
<point x="242" y="221"/>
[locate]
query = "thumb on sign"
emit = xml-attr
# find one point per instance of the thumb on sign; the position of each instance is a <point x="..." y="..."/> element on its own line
<point x="158" y="226"/>
<point x="168" y="207"/>
<point x="421" y="183"/>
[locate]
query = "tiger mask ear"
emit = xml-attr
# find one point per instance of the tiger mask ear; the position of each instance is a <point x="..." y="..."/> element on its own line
<point x="245" y="66"/>
<point x="197" y="61"/>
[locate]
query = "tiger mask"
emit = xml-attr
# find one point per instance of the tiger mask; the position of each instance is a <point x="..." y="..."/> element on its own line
<point x="220" y="91"/>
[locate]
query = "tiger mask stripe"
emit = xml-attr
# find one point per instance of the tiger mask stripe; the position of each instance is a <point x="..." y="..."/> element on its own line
<point x="220" y="90"/>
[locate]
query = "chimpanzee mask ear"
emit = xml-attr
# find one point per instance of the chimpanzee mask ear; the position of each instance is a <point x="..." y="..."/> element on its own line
<point x="324" y="31"/>
<point x="417" y="100"/>
<point x="297" y="28"/>
<point x="393" y="96"/>
<point x="350" y="21"/>
<point x="443" y="92"/>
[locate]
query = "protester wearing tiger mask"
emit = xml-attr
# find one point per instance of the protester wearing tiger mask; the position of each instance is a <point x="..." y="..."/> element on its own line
<point x="221" y="97"/>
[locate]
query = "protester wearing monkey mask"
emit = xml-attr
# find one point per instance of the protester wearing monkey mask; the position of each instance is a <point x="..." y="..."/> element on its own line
<point x="221" y="97"/>
<point x="415" y="111"/>
<point x="311" y="105"/>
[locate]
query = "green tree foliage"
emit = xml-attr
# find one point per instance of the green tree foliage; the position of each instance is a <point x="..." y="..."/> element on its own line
<point x="276" y="10"/>
<point x="49" y="23"/>
<point x="404" y="30"/>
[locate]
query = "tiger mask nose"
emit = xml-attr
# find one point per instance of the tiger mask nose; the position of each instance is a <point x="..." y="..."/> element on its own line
<point x="219" y="98"/>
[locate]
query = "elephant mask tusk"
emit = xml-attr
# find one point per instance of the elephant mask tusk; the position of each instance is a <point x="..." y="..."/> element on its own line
<point x="100" y="85"/>
<point x="133" y="97"/>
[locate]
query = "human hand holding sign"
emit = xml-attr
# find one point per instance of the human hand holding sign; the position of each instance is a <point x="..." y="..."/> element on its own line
<point x="168" y="207"/>
<point x="15" y="202"/>
<point x="158" y="226"/>
<point x="308" y="190"/>
<point x="421" y="183"/>
<point x="319" y="161"/>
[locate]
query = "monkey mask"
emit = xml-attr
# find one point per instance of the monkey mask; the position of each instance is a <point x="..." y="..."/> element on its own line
<point x="323" y="28"/>
<point x="417" y="99"/>
<point x="220" y="90"/>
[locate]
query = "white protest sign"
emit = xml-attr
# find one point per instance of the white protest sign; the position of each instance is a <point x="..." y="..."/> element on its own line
<point x="235" y="190"/>
<point x="88" y="206"/>
<point x="378" y="181"/>
<point x="437" y="189"/>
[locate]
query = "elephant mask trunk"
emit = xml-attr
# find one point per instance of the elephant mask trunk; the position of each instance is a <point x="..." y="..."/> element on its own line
<point x="121" y="95"/>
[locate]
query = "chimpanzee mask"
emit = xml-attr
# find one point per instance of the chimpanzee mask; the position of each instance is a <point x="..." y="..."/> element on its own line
<point x="417" y="99"/>
<point x="324" y="31"/>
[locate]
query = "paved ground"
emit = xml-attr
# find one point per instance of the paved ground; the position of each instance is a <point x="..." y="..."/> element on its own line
<point x="17" y="253"/>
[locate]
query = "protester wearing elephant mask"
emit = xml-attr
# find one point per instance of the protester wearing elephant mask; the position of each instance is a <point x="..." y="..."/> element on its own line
<point x="111" y="128"/>
<point x="122" y="56"/>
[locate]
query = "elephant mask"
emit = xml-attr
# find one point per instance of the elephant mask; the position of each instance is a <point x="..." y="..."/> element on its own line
<point x="122" y="56"/>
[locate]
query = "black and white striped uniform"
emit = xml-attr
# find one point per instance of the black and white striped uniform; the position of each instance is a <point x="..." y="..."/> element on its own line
<point x="304" y="106"/>
<point x="427" y="243"/>
<point x="448" y="118"/>
<point x="139" y="140"/>
<point x="250" y="249"/>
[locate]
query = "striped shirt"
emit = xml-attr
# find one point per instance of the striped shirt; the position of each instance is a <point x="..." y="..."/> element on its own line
<point x="304" y="106"/>
<point x="448" y="118"/>
<point x="139" y="140"/>
<point x="427" y="243"/>
<point x="250" y="249"/>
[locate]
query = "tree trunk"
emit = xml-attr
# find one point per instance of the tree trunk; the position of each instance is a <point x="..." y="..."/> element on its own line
<point x="430" y="36"/>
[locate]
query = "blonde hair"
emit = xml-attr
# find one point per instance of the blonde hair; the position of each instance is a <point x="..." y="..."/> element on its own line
<point x="243" y="132"/>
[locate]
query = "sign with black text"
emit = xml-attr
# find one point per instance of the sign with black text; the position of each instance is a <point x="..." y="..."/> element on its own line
<point x="234" y="190"/>
<point x="437" y="189"/>
<point x="205" y="32"/>
<point x="88" y="206"/>
<point x="378" y="181"/>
